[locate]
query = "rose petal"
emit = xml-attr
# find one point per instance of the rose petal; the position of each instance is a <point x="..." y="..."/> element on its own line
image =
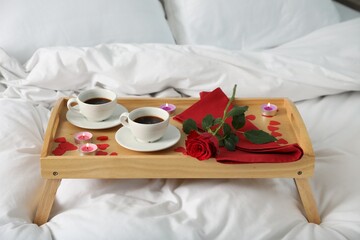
<point x="276" y="134"/>
<point x="60" y="140"/>
<point x="180" y="149"/>
<point x="102" y="138"/>
<point x="193" y="134"/>
<point x="101" y="153"/>
<point x="67" y="146"/>
<point x="274" y="123"/>
<point x="114" y="154"/>
<point x="251" y="117"/>
<point x="272" y="128"/>
<point x="103" y="146"/>
<point x="282" y="141"/>
<point x="58" y="151"/>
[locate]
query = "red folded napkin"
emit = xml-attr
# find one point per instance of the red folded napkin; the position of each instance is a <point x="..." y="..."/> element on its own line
<point x="246" y="152"/>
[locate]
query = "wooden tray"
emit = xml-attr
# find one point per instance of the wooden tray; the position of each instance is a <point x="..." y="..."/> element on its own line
<point x="168" y="163"/>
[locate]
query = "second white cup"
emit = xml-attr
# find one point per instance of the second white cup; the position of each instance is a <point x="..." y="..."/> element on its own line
<point x="95" y="104"/>
<point x="147" y="124"/>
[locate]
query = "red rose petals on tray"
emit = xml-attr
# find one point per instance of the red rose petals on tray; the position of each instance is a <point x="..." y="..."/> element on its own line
<point x="282" y="141"/>
<point x="274" y="122"/>
<point x="250" y="117"/>
<point x="67" y="146"/>
<point x="102" y="138"/>
<point x="58" y="151"/>
<point x="276" y="134"/>
<point x="63" y="146"/>
<point x="180" y="149"/>
<point x="101" y="153"/>
<point x="60" y="140"/>
<point x="102" y="146"/>
<point x="272" y="128"/>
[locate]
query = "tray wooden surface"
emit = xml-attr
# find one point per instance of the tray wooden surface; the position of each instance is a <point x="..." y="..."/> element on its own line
<point x="168" y="163"/>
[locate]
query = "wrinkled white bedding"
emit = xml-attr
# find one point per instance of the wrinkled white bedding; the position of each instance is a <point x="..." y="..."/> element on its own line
<point x="320" y="71"/>
<point x="321" y="63"/>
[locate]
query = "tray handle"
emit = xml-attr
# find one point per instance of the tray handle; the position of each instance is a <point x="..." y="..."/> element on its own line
<point x="299" y="127"/>
<point x="53" y="121"/>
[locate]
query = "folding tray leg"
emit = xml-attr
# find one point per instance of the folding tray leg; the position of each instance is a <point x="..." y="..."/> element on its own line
<point x="307" y="200"/>
<point x="46" y="201"/>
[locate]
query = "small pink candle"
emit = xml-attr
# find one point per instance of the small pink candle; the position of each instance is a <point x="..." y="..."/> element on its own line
<point x="168" y="107"/>
<point x="88" y="149"/>
<point x="83" y="137"/>
<point x="269" y="110"/>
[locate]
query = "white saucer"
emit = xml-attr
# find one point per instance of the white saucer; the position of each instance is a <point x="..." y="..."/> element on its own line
<point x="125" y="138"/>
<point x="79" y="120"/>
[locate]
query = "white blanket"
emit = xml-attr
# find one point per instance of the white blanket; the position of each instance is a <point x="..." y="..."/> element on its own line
<point x="322" y="63"/>
<point x="326" y="62"/>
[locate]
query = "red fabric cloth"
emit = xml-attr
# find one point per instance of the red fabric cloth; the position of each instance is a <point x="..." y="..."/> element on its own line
<point x="246" y="152"/>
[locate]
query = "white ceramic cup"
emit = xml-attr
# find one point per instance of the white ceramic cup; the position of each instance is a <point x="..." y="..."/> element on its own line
<point x="98" y="110"/>
<point x="146" y="132"/>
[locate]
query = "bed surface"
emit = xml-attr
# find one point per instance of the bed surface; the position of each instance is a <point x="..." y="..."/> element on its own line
<point x="319" y="70"/>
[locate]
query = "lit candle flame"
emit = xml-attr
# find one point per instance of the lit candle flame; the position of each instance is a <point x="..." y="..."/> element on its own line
<point x="166" y="105"/>
<point x="268" y="104"/>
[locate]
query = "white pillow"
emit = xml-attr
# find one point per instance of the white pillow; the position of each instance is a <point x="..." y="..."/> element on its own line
<point x="28" y="25"/>
<point x="246" y="24"/>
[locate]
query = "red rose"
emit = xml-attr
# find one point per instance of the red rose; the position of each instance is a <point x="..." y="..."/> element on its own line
<point x="201" y="146"/>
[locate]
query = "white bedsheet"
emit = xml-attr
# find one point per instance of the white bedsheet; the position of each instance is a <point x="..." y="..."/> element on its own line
<point x="305" y="70"/>
<point x="322" y="63"/>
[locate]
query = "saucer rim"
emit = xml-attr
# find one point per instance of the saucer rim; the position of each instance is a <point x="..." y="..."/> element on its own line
<point x="86" y="126"/>
<point x="159" y="148"/>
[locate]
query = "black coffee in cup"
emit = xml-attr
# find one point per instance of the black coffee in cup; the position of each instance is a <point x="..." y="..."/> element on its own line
<point x="148" y="119"/>
<point x="98" y="100"/>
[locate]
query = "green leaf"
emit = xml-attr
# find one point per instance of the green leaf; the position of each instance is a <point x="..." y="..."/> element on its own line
<point x="229" y="144"/>
<point x="221" y="143"/>
<point x="217" y="121"/>
<point x="226" y="129"/>
<point x="234" y="137"/>
<point x="259" y="137"/>
<point x="189" y="125"/>
<point x="237" y="110"/>
<point x="207" y="122"/>
<point x="238" y="121"/>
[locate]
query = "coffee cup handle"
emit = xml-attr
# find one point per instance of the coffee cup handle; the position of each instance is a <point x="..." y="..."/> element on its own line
<point x="124" y="119"/>
<point x="70" y="107"/>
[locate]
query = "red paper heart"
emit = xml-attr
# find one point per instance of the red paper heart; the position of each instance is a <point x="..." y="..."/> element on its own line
<point x="276" y="134"/>
<point x="114" y="154"/>
<point x="67" y="146"/>
<point x="180" y="149"/>
<point x="102" y="138"/>
<point x="60" y="140"/>
<point x="251" y="117"/>
<point x="272" y="128"/>
<point x="282" y="141"/>
<point x="103" y="146"/>
<point x="101" y="153"/>
<point x="58" y="151"/>
<point x="63" y="146"/>
<point x="274" y="123"/>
